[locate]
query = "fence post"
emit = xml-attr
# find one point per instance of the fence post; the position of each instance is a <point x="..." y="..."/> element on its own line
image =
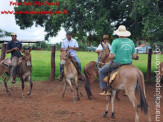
<point x="52" y="76"/>
<point x="149" y="65"/>
<point x="3" y="52"/>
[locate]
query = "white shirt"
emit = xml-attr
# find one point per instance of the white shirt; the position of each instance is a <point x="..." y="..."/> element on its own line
<point x="101" y="48"/>
<point x="71" y="43"/>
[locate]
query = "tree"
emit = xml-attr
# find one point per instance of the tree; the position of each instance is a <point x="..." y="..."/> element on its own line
<point x="149" y="15"/>
<point x="4" y="33"/>
<point x="93" y="18"/>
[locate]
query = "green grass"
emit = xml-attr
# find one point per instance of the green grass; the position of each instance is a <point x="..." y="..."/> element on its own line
<point x="41" y="63"/>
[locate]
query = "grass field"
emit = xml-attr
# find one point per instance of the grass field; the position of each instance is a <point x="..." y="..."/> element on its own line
<point x="41" y="63"/>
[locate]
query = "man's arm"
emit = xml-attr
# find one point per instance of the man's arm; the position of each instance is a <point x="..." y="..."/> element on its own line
<point x="73" y="48"/>
<point x="111" y="56"/>
<point x="9" y="51"/>
<point x="135" y="56"/>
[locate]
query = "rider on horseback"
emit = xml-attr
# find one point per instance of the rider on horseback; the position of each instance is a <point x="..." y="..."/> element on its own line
<point x="100" y="48"/>
<point x="122" y="52"/>
<point x="14" y="47"/>
<point x="70" y="45"/>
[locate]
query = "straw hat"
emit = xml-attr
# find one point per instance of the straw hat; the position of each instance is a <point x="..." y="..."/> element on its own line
<point x="13" y="34"/>
<point x="121" y="31"/>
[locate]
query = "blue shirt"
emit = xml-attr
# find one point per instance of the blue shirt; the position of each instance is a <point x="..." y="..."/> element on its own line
<point x="11" y="44"/>
<point x="71" y="43"/>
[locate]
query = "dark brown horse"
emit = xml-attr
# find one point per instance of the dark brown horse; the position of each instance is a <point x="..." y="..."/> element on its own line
<point x="23" y="71"/>
<point x="91" y="72"/>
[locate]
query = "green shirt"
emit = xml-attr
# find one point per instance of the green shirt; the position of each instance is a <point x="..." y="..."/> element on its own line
<point x="123" y="48"/>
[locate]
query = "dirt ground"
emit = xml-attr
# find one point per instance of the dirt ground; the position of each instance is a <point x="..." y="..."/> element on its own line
<point x="45" y="104"/>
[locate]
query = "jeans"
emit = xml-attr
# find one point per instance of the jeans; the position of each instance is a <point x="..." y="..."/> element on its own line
<point x="14" y="62"/>
<point x="76" y="59"/>
<point x="105" y="70"/>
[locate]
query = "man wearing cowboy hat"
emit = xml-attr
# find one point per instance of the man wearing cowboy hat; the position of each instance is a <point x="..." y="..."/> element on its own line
<point x="105" y="43"/>
<point x="99" y="49"/>
<point x="14" y="47"/>
<point x="122" y="53"/>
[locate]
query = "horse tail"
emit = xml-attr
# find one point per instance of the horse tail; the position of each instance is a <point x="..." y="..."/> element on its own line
<point x="141" y="88"/>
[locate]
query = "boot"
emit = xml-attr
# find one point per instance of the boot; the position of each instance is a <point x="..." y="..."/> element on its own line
<point x="105" y="93"/>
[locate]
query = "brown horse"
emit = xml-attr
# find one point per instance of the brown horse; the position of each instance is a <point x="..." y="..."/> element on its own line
<point x="70" y="72"/>
<point x="23" y="71"/>
<point x="160" y="70"/>
<point x="91" y="72"/>
<point x="129" y="78"/>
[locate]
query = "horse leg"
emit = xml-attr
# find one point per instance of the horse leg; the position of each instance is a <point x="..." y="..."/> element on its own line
<point x="5" y="82"/>
<point x="116" y="96"/>
<point x="77" y="87"/>
<point x="22" y="88"/>
<point x="134" y="102"/>
<point x="112" y="102"/>
<point x="107" y="107"/>
<point x="69" y="82"/>
<point x="87" y="88"/>
<point x="63" y="94"/>
<point x="31" y="85"/>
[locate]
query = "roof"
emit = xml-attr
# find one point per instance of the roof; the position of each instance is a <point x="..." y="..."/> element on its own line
<point x="143" y="45"/>
<point x="22" y="41"/>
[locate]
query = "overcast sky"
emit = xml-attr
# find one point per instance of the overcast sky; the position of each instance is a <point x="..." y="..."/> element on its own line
<point x="7" y="23"/>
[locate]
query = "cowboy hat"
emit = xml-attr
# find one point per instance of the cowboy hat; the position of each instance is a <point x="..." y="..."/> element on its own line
<point x="122" y="31"/>
<point x="105" y="36"/>
<point x="13" y="34"/>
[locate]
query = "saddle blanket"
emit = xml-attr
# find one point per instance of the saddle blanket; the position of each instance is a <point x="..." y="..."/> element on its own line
<point x="7" y="62"/>
<point x="112" y="76"/>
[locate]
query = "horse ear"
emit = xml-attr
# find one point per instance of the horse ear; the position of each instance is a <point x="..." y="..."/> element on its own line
<point x="102" y="45"/>
<point x="22" y="50"/>
<point x="30" y="49"/>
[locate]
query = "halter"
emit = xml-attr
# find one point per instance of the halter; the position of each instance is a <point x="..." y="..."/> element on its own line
<point x="97" y="63"/>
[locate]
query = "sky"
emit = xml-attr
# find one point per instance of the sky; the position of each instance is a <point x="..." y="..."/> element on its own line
<point x="7" y="23"/>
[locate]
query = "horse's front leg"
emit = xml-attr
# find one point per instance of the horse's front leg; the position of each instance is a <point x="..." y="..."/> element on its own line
<point x="22" y="81"/>
<point x="77" y="87"/>
<point x="63" y="94"/>
<point x="5" y="82"/>
<point x="69" y="82"/>
<point x="107" y="107"/>
<point x="112" y="102"/>
<point x="31" y="85"/>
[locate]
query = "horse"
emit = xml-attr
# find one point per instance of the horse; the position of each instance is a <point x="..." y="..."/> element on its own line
<point x="91" y="73"/>
<point x="129" y="78"/>
<point x="70" y="72"/>
<point x="160" y="70"/>
<point x="23" y="71"/>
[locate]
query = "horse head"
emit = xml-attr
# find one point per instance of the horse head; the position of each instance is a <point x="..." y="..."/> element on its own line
<point x="104" y="54"/>
<point x="64" y="56"/>
<point x="27" y="55"/>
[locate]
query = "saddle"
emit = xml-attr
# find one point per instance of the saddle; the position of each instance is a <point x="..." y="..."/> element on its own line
<point x="75" y="64"/>
<point x="8" y="63"/>
<point x="110" y="78"/>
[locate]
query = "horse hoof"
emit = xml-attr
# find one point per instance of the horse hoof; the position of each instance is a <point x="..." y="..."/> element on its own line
<point x="28" y="93"/>
<point x="81" y="94"/>
<point x="105" y="114"/>
<point x="8" y="93"/>
<point x="118" y="99"/>
<point x="78" y="98"/>
<point x="90" y="98"/>
<point x="74" y="101"/>
<point x="113" y="116"/>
